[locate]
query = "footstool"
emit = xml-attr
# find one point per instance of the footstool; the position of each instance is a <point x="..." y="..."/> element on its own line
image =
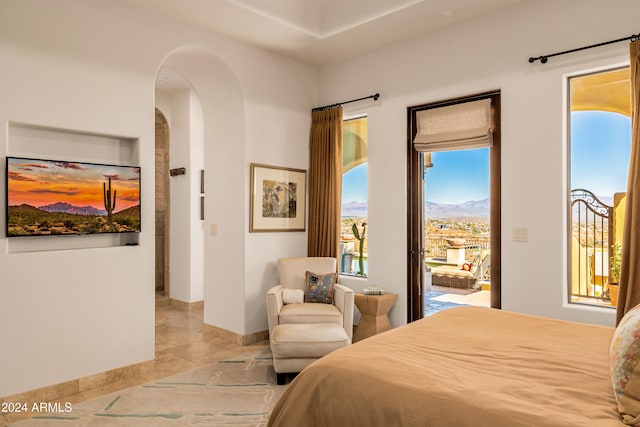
<point x="296" y="346"/>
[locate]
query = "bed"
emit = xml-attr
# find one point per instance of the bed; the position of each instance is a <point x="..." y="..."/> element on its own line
<point x="466" y="366"/>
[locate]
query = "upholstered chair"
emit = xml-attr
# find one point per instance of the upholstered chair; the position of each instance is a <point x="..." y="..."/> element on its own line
<point x="301" y="331"/>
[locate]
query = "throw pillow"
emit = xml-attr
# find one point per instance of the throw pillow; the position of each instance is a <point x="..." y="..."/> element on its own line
<point x="475" y="264"/>
<point x="319" y="287"/>
<point x="625" y="366"/>
<point x="292" y="296"/>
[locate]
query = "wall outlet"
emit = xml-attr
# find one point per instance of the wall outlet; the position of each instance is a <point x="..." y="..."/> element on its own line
<point x="520" y="234"/>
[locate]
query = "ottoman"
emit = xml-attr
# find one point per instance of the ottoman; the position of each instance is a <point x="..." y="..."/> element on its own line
<point x="296" y="346"/>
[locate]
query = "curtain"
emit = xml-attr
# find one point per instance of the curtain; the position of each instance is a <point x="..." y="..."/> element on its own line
<point x="629" y="293"/>
<point x="325" y="183"/>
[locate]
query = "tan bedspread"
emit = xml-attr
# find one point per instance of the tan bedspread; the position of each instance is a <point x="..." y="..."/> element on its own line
<point x="467" y="366"/>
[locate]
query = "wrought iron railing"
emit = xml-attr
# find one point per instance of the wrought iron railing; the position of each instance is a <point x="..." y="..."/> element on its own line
<point x="436" y="246"/>
<point x="591" y="244"/>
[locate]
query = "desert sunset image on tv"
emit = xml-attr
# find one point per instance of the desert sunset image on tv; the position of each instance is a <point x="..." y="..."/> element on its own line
<point x="49" y="197"/>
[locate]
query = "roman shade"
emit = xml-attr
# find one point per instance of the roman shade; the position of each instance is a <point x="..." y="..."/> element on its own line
<point x="454" y="127"/>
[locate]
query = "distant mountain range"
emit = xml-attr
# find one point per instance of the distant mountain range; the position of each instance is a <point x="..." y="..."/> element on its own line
<point x="71" y="209"/>
<point x="354" y="209"/>
<point x="469" y="209"/>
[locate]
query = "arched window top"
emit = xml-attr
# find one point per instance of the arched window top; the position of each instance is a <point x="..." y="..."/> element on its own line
<point x="355" y="148"/>
<point x="607" y="91"/>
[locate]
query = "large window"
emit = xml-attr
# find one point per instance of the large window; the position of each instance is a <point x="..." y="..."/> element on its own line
<point x="599" y="147"/>
<point x="355" y="167"/>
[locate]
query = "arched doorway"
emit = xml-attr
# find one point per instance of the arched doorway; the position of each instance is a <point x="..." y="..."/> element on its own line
<point x="179" y="236"/>
<point x="211" y="139"/>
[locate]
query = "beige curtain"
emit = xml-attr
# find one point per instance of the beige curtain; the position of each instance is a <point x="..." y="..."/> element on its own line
<point x="629" y="295"/>
<point x="325" y="183"/>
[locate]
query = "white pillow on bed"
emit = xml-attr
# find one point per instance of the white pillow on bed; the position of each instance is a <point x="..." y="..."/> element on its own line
<point x="292" y="296"/>
<point x="624" y="359"/>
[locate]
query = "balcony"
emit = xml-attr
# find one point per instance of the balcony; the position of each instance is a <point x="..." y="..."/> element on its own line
<point x="596" y="229"/>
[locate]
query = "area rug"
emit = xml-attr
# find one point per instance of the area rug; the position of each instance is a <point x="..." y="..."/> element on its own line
<point x="235" y="392"/>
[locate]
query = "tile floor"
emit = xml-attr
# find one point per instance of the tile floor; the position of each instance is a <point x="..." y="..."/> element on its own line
<point x="456" y="298"/>
<point x="432" y="306"/>
<point x="181" y="345"/>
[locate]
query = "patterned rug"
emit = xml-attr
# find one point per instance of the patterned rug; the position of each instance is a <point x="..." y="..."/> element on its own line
<point x="235" y="392"/>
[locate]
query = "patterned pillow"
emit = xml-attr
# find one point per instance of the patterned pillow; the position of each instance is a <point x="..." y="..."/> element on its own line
<point x="624" y="366"/>
<point x="319" y="287"/>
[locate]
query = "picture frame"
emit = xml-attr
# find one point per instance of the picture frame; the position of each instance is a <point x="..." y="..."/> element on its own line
<point x="278" y="198"/>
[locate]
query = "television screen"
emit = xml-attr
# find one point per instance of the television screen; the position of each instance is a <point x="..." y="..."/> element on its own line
<point x="52" y="197"/>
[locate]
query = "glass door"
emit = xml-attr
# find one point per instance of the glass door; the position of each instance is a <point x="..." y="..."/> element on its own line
<point x="453" y="228"/>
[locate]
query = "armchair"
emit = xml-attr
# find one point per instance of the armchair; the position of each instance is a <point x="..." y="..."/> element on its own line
<point x="301" y="332"/>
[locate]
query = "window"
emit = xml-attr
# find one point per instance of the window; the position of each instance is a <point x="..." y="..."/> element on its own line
<point x="599" y="147"/>
<point x="355" y="167"/>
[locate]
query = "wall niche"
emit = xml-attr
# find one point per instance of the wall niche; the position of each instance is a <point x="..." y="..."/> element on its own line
<point x="46" y="143"/>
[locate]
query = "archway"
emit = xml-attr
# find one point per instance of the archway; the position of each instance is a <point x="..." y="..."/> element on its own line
<point x="215" y="145"/>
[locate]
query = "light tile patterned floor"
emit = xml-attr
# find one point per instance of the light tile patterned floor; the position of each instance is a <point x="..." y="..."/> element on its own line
<point x="181" y="345"/>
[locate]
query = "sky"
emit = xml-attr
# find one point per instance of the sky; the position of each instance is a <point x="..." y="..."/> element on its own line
<point x="600" y="149"/>
<point x="44" y="182"/>
<point x="458" y="176"/>
<point x="354" y="184"/>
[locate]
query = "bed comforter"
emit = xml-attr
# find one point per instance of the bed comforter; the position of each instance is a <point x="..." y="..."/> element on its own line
<point x="467" y="366"/>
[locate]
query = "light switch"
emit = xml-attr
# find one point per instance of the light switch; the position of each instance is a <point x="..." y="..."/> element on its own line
<point x="520" y="234"/>
<point x="213" y="229"/>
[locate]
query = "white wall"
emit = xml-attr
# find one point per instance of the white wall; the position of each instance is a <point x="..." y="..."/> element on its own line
<point x="196" y="163"/>
<point x="90" y="66"/>
<point x="477" y="56"/>
<point x="180" y="197"/>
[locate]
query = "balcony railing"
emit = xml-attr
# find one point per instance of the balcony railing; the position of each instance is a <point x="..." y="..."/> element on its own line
<point x="436" y="246"/>
<point x="591" y="243"/>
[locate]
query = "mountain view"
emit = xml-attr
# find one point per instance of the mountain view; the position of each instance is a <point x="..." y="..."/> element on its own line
<point x="68" y="208"/>
<point x="468" y="209"/>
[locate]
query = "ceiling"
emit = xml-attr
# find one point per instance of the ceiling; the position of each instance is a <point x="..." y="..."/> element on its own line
<point x="321" y="32"/>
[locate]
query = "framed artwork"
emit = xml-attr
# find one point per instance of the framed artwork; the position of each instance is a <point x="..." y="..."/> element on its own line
<point x="278" y="198"/>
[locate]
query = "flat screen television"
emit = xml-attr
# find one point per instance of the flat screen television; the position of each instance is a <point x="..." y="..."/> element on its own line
<point x="54" y="197"/>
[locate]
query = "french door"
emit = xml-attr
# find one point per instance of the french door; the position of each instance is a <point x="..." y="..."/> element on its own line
<point x="416" y="203"/>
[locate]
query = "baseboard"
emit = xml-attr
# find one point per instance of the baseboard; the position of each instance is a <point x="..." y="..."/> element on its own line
<point x="55" y="392"/>
<point x="234" y="337"/>
<point x="186" y="306"/>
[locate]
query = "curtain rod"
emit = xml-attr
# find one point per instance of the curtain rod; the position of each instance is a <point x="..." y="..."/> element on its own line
<point x="375" y="97"/>
<point x="544" y="58"/>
